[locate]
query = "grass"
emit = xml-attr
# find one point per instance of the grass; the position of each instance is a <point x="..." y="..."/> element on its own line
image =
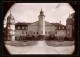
<point x="60" y="43"/>
<point x="31" y="43"/>
<point x="21" y="43"/>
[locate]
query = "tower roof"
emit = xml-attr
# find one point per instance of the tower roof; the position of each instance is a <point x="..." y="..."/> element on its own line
<point x="41" y="12"/>
<point x="70" y="19"/>
<point x="10" y="16"/>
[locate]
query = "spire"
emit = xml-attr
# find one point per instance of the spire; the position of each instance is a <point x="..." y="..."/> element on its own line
<point x="10" y="12"/>
<point x="10" y="16"/>
<point x="41" y="12"/>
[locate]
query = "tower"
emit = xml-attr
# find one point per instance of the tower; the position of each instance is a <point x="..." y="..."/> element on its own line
<point x="69" y="26"/>
<point x="10" y="28"/>
<point x="41" y="30"/>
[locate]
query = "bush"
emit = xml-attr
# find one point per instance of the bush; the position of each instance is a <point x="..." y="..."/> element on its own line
<point x="40" y="37"/>
<point x="69" y="38"/>
<point x="50" y="38"/>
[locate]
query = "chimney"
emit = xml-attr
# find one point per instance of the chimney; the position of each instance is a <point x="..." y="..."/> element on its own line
<point x="60" y="22"/>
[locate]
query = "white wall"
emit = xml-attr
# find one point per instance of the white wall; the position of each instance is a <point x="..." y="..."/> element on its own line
<point x="61" y="33"/>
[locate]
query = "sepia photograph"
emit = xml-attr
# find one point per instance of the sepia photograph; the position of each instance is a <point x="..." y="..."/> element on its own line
<point x="40" y="28"/>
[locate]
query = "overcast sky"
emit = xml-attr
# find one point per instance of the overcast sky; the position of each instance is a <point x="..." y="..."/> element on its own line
<point x="29" y="12"/>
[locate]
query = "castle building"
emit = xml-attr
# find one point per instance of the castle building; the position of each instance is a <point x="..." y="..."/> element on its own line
<point x="37" y="28"/>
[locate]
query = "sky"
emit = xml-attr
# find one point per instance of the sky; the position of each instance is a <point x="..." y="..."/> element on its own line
<point x="29" y="12"/>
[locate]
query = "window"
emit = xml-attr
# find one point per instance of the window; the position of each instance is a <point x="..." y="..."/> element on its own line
<point x="68" y="32"/>
<point x="26" y="27"/>
<point x="63" y="27"/>
<point x="22" y="32"/>
<point x="56" y="32"/>
<point x="31" y="33"/>
<point x="55" y="27"/>
<point x="59" y="27"/>
<point x="36" y="32"/>
<point x="18" y="27"/>
<point x="45" y="32"/>
<point x="68" y="26"/>
<point x="8" y="27"/>
<point x="22" y="27"/>
<point x="41" y="32"/>
<point x="48" y="32"/>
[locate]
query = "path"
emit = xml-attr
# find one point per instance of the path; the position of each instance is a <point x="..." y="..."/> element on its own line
<point x="40" y="48"/>
<point x="41" y="44"/>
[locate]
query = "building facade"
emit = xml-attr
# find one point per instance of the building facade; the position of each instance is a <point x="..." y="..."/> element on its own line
<point x="37" y="28"/>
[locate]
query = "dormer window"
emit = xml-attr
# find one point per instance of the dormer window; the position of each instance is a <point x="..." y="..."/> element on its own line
<point x="18" y="27"/>
<point x="26" y="28"/>
<point x="22" y="27"/>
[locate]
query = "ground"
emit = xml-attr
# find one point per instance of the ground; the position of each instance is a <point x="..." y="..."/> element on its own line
<point x="40" y="47"/>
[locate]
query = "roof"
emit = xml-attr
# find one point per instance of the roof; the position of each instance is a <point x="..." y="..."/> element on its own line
<point x="19" y="23"/>
<point x="57" y="25"/>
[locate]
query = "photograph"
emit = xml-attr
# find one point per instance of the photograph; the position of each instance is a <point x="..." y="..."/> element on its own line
<point x="40" y="28"/>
